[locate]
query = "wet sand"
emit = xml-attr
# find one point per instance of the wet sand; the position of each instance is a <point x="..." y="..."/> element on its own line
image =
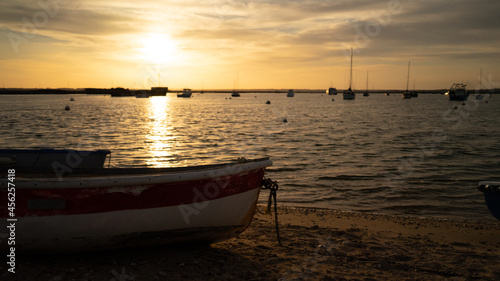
<point x="318" y="244"/>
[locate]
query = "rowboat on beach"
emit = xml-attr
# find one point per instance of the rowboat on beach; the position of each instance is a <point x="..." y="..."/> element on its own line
<point x="491" y="190"/>
<point x="105" y="208"/>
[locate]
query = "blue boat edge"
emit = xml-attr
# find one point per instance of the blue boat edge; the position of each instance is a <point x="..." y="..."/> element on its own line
<point x="491" y="191"/>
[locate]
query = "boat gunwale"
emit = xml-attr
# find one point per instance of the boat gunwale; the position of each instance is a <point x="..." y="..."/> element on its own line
<point x="116" y="177"/>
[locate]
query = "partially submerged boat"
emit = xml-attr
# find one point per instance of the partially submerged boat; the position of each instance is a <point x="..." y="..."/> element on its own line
<point x="106" y="208"/>
<point x="491" y="190"/>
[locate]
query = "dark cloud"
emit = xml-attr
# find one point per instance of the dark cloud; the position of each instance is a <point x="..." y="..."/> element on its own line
<point x="23" y="16"/>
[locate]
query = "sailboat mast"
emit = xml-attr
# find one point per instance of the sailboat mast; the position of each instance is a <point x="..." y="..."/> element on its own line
<point x="480" y="80"/>
<point x="350" y="75"/>
<point x="367" y="81"/>
<point x="408" y="78"/>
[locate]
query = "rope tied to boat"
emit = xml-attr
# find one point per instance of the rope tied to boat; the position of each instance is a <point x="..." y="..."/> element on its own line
<point x="241" y="160"/>
<point x="273" y="188"/>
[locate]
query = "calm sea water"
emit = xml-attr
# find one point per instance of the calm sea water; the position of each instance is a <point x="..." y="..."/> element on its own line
<point x="377" y="154"/>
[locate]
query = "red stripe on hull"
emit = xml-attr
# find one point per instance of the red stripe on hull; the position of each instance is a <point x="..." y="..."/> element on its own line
<point x="74" y="201"/>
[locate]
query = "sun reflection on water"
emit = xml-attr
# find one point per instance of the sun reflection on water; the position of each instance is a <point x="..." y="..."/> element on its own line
<point x="160" y="140"/>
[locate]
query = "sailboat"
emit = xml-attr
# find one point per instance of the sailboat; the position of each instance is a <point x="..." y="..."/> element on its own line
<point x="407" y="94"/>
<point x="366" y="94"/>
<point x="235" y="92"/>
<point x="349" y="94"/>
<point x="414" y="93"/>
<point x="479" y="96"/>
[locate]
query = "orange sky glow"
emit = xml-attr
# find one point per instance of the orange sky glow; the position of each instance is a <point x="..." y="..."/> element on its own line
<point x="301" y="44"/>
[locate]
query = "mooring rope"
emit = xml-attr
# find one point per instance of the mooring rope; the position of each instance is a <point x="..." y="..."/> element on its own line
<point x="273" y="188"/>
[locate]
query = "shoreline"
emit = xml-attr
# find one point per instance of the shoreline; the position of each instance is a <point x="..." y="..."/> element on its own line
<point x="318" y="244"/>
<point x="131" y="92"/>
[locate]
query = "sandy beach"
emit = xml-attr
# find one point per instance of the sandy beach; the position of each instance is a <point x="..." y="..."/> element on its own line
<point x="318" y="244"/>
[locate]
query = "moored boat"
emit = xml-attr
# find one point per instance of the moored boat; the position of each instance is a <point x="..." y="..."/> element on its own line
<point x="366" y="93"/>
<point x="331" y="91"/>
<point x="120" y="92"/>
<point x="349" y="94"/>
<point x="186" y="93"/>
<point x="458" y="92"/>
<point x="290" y="94"/>
<point x="106" y="208"/>
<point x="406" y="94"/>
<point x="159" y="91"/>
<point x="491" y="190"/>
<point x="479" y="96"/>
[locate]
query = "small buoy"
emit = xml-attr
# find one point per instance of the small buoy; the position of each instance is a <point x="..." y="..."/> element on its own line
<point x="284" y="120"/>
<point x="268" y="102"/>
<point x="455" y="107"/>
<point x="67" y="107"/>
<point x="71" y="99"/>
<point x="333" y="99"/>
<point x="463" y="103"/>
<point x="486" y="102"/>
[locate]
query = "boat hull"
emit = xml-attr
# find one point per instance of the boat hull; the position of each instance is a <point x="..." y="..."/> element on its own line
<point x="116" y="211"/>
<point x="454" y="97"/>
<point x="349" y="96"/>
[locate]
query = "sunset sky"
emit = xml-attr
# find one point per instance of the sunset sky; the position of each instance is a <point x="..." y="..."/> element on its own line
<point x="267" y="44"/>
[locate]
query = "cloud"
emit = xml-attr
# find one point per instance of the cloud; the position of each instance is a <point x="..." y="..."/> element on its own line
<point x="290" y="33"/>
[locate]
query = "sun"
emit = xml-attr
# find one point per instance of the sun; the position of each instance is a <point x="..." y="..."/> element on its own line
<point x="159" y="48"/>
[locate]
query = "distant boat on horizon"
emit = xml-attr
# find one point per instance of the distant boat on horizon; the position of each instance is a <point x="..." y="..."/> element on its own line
<point x="414" y="93"/>
<point x="479" y="96"/>
<point x="186" y="93"/>
<point x="407" y="94"/>
<point x="458" y="92"/>
<point x="290" y="94"/>
<point x="235" y="92"/>
<point x="349" y="94"/>
<point x="366" y="94"/>
<point x="331" y="91"/>
<point x="158" y="91"/>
